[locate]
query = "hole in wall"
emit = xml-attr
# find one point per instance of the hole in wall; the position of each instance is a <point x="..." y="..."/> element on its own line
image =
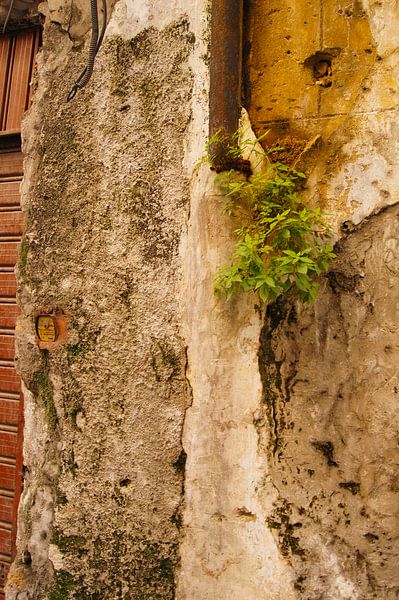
<point x="286" y="149"/>
<point x="321" y="64"/>
<point x="322" y="72"/>
<point x="125" y="482"/>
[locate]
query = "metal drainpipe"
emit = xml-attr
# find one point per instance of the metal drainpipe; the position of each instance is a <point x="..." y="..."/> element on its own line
<point x="225" y="69"/>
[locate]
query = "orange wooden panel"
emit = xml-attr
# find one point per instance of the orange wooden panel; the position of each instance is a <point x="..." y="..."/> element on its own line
<point x="8" y="446"/>
<point x="9" y="191"/>
<point x="36" y="41"/>
<point x="20" y="79"/>
<point x="9" y="411"/>
<point x="7" y="479"/>
<point x="9" y="382"/>
<point x="8" y="253"/>
<point x="7" y="84"/>
<point x="5" y="541"/>
<point x="11" y="223"/>
<point x="8" y="315"/>
<point x="8" y="285"/>
<point x="5" y="55"/>
<point x="6" y="505"/>
<point x="11" y="164"/>
<point x="19" y="482"/>
<point x="7" y="351"/>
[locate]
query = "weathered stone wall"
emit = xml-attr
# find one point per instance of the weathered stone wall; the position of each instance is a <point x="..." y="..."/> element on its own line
<point x="352" y="172"/>
<point x="287" y="420"/>
<point x="330" y="396"/>
<point x="106" y="199"/>
<point x="312" y="462"/>
<point x="329" y="426"/>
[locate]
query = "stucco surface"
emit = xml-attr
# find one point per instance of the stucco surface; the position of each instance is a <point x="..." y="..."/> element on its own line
<point x="331" y="400"/>
<point x="106" y="199"/>
<point x="329" y="425"/>
<point x="351" y="174"/>
<point x="227" y="550"/>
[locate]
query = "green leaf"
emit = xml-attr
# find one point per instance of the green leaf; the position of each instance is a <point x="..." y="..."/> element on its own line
<point x="302" y="268"/>
<point x="292" y="254"/>
<point x="305" y="259"/>
<point x="286" y="269"/>
<point x="302" y="282"/>
<point x="264" y="293"/>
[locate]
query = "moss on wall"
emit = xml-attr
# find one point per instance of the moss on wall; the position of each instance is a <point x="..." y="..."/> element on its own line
<point x="107" y="201"/>
<point x="43" y="389"/>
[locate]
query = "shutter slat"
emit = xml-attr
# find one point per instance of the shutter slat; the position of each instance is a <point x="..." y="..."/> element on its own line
<point x="20" y="79"/>
<point x="11" y="164"/>
<point x="9" y="193"/>
<point x="5" y="51"/>
<point x="7" y="83"/>
<point x="35" y="48"/>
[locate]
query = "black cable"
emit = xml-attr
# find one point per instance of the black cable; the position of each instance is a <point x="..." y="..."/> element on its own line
<point x="95" y="43"/>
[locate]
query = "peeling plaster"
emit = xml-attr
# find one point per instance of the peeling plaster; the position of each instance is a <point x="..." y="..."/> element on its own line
<point x="177" y="464"/>
<point x="341" y="503"/>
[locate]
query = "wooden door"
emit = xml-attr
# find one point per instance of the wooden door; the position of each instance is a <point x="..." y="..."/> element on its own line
<point x="17" y="52"/>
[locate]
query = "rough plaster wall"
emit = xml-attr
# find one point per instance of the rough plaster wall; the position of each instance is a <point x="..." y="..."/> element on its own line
<point x="331" y="398"/>
<point x="228" y="550"/>
<point x="106" y="196"/>
<point x="106" y="199"/>
<point x="352" y="172"/>
<point x="329" y="426"/>
<point x="251" y="470"/>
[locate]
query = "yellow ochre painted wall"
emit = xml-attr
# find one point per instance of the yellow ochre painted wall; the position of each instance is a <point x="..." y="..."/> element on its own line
<point x="351" y="172"/>
<point x="285" y="38"/>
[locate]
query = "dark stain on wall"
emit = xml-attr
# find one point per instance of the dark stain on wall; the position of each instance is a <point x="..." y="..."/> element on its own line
<point x="330" y="383"/>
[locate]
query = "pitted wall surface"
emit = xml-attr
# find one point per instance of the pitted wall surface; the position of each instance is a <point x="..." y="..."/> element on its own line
<point x="351" y="174"/>
<point x="106" y="199"/>
<point x="331" y="400"/>
<point x="288" y="490"/>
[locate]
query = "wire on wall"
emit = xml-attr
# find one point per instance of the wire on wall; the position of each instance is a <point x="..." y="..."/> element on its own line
<point x="95" y="44"/>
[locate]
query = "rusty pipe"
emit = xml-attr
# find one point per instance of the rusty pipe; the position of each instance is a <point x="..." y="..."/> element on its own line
<point x="225" y="67"/>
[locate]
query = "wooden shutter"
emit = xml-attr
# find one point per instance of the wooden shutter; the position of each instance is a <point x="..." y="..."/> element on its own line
<point x="17" y="52"/>
<point x="11" y="401"/>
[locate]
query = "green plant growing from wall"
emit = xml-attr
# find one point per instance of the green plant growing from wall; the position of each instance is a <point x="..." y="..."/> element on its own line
<point x="281" y="243"/>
